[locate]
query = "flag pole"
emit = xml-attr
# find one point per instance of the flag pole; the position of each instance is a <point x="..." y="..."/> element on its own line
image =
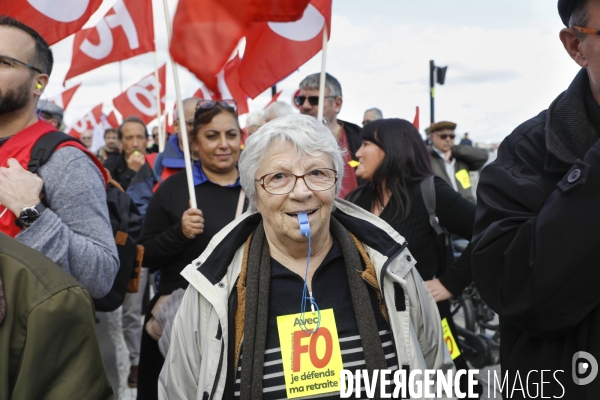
<point x="182" y="127"/>
<point x="161" y="133"/>
<point x="322" y="80"/>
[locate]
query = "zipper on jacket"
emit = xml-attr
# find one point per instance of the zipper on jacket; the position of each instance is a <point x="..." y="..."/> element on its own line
<point x="237" y="360"/>
<point x="387" y="264"/>
<point x="219" y="367"/>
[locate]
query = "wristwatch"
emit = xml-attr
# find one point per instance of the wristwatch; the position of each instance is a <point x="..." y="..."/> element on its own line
<point x="29" y="215"/>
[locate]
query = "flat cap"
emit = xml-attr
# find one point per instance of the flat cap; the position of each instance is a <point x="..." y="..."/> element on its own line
<point x="565" y="9"/>
<point x="438" y="126"/>
<point x="50" y="108"/>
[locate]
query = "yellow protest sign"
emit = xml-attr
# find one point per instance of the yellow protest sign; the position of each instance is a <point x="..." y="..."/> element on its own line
<point x="464" y="178"/>
<point x="449" y="339"/>
<point x="311" y="363"/>
<point x="353" y="163"/>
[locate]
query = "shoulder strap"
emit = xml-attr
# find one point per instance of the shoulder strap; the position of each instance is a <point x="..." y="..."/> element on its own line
<point x="44" y="147"/>
<point x="428" y="193"/>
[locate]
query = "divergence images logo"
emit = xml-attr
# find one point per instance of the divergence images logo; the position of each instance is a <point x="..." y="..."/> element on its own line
<point x="584" y="367"/>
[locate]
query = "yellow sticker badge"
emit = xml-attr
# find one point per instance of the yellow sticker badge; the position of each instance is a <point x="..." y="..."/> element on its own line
<point x="464" y="178"/>
<point x="449" y="339"/>
<point x="353" y="163"/>
<point x="311" y="363"/>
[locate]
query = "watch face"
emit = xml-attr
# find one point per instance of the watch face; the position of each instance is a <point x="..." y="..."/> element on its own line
<point x="29" y="215"/>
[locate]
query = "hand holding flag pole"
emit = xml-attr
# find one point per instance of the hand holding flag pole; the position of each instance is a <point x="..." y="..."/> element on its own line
<point x="182" y="127"/>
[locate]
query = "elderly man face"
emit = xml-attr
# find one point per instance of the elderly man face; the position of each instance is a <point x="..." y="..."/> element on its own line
<point x="111" y="140"/>
<point x="189" y="109"/>
<point x="86" y="138"/>
<point x="586" y="52"/>
<point x="133" y="138"/>
<point x="443" y="139"/>
<point x="331" y="107"/>
<point x="368" y="117"/>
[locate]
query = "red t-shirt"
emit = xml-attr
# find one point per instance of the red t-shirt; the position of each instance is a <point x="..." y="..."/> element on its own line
<point x="349" y="182"/>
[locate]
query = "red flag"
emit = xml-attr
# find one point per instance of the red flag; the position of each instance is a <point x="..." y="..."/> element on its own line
<point x="52" y="21"/>
<point x="229" y="85"/>
<point x="125" y="31"/>
<point x="274" y="99"/>
<point x="206" y="32"/>
<point x="275" y="50"/>
<point x="112" y="120"/>
<point x="228" y="82"/>
<point x="90" y="121"/>
<point x="416" y="120"/>
<point x="62" y="100"/>
<point x="140" y="99"/>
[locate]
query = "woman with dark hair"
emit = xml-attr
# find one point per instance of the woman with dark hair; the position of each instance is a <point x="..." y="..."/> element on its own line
<point x="174" y="233"/>
<point x="394" y="160"/>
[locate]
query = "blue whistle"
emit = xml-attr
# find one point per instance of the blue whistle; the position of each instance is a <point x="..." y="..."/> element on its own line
<point x="304" y="225"/>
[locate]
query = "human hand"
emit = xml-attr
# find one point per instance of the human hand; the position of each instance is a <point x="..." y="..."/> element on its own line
<point x="19" y="188"/>
<point x="192" y="223"/>
<point x="438" y="291"/>
<point x="136" y="161"/>
<point x="448" y="155"/>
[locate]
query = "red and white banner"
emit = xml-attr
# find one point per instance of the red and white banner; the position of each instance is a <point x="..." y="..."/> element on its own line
<point x="63" y="99"/>
<point x="90" y="121"/>
<point x="206" y="32"/>
<point x="125" y="31"/>
<point x="228" y="83"/>
<point x="53" y="21"/>
<point x="275" y="49"/>
<point x="140" y="99"/>
<point x="112" y="120"/>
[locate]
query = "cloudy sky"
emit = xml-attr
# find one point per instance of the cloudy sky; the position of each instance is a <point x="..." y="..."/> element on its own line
<point x="505" y="62"/>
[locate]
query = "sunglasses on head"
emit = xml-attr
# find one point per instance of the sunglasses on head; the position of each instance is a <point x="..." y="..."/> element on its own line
<point x="445" y="136"/>
<point x="210" y="104"/>
<point x="312" y="100"/>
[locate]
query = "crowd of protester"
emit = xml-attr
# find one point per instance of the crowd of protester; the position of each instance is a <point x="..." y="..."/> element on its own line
<point x="349" y="222"/>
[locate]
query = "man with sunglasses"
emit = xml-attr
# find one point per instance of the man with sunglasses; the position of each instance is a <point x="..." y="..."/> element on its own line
<point x="535" y="255"/>
<point x="453" y="163"/>
<point x="347" y="134"/>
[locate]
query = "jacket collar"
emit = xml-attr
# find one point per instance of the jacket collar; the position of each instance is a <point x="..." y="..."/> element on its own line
<point x="370" y="230"/>
<point x="569" y="131"/>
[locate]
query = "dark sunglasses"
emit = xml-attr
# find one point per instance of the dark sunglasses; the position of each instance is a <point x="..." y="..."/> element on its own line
<point x="312" y="100"/>
<point x="210" y="104"/>
<point x="445" y="136"/>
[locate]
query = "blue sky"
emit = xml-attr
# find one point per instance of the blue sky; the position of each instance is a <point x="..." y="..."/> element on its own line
<point x="505" y="62"/>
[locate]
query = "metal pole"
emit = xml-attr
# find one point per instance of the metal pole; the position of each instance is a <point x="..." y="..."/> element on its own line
<point x="432" y="90"/>
<point x="121" y="76"/>
<point x="273" y="91"/>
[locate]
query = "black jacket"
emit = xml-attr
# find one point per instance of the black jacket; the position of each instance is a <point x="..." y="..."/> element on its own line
<point x="536" y="248"/>
<point x="353" y="136"/>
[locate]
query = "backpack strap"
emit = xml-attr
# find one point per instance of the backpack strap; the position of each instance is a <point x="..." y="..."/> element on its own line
<point x="428" y="193"/>
<point x="42" y="149"/>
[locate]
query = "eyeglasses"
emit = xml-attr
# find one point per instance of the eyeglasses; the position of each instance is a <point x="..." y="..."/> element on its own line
<point x="317" y="180"/>
<point x="210" y="104"/>
<point x="312" y="100"/>
<point x="445" y="136"/>
<point x="9" y="62"/>
<point x="587" y="31"/>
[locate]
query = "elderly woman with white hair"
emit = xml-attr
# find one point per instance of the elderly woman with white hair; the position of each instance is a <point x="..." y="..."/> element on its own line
<point x="300" y="286"/>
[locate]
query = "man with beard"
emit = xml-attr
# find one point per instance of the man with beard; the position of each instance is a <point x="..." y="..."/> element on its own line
<point x="60" y="211"/>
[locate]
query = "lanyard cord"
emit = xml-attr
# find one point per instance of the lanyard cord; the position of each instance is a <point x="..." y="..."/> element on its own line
<point x="306" y="295"/>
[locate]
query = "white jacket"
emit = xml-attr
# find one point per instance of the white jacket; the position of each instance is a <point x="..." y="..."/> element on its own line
<point x="196" y="365"/>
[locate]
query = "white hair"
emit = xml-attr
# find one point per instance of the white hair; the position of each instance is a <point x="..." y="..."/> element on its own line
<point x="309" y="137"/>
<point x="278" y="109"/>
<point x="255" y="118"/>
